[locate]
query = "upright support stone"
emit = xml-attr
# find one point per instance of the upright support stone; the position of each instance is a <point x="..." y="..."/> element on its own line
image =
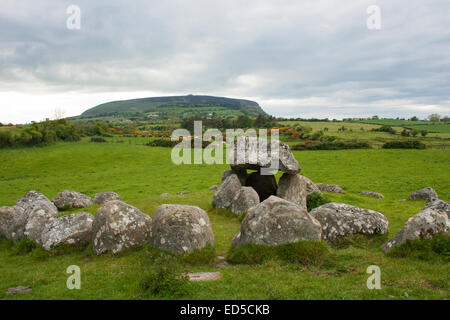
<point x="292" y="187"/>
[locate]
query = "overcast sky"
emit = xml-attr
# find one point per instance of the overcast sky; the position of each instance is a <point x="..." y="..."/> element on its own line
<point x="295" y="58"/>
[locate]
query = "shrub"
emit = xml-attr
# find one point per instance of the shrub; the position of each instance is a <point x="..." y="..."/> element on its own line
<point x="162" y="275"/>
<point x="434" y="249"/>
<point x="385" y="128"/>
<point x="300" y="252"/>
<point x="98" y="139"/>
<point x="335" y="145"/>
<point x="404" y="145"/>
<point x="316" y="199"/>
<point x="162" y="143"/>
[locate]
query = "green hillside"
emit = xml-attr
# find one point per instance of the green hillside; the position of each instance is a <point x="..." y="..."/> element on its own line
<point x="175" y="106"/>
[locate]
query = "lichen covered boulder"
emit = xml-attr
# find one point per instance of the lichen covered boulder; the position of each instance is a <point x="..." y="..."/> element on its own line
<point x="428" y="194"/>
<point x="29" y="198"/>
<point x="439" y="205"/>
<point x="372" y="194"/>
<point x="68" y="199"/>
<point x="103" y="197"/>
<point x="224" y="195"/>
<point x="241" y="174"/>
<point x="14" y="220"/>
<point x="424" y="225"/>
<point x="72" y="229"/>
<point x="40" y="213"/>
<point x="277" y="221"/>
<point x="292" y="187"/>
<point x="180" y="229"/>
<point x="118" y="226"/>
<point x="244" y="199"/>
<point x="310" y="186"/>
<point x="334" y="188"/>
<point x="12" y="223"/>
<point x="342" y="220"/>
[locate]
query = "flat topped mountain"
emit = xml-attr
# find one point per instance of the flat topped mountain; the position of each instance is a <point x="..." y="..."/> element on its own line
<point x="179" y="106"/>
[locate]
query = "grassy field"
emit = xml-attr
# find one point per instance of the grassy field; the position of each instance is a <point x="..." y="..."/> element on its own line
<point x="140" y="174"/>
<point x="435" y="127"/>
<point x="362" y="132"/>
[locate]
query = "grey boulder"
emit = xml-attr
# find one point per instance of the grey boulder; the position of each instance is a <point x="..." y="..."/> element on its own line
<point x="118" y="226"/>
<point x="40" y="213"/>
<point x="276" y="221"/>
<point x="12" y="223"/>
<point x="14" y="220"/>
<point x="72" y="229"/>
<point x="342" y="220"/>
<point x="224" y="195"/>
<point x="103" y="197"/>
<point x="334" y="188"/>
<point x="30" y="197"/>
<point x="424" y="194"/>
<point x="310" y="186"/>
<point x="424" y="225"/>
<point x="244" y="199"/>
<point x="71" y="199"/>
<point x="242" y="175"/>
<point x="292" y="187"/>
<point x="373" y="194"/>
<point x="439" y="205"/>
<point x="180" y="229"/>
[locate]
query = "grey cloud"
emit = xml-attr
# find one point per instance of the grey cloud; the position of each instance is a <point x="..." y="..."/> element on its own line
<point x="301" y="52"/>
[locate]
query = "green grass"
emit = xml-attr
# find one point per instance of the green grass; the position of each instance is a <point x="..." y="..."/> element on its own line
<point x="140" y="174"/>
<point x="438" y="136"/>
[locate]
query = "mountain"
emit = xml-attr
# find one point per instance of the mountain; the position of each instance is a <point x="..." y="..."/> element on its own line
<point x="174" y="106"/>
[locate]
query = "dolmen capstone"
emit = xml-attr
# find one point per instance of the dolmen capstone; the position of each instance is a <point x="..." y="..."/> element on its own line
<point x="118" y="226"/>
<point x="342" y="220"/>
<point x="276" y="221"/>
<point x="69" y="199"/>
<point x="250" y="157"/>
<point x="180" y="229"/>
<point x="428" y="194"/>
<point x="431" y="221"/>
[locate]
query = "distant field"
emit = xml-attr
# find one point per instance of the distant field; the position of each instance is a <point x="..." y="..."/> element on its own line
<point x="435" y="127"/>
<point x="362" y="132"/>
<point x="140" y="174"/>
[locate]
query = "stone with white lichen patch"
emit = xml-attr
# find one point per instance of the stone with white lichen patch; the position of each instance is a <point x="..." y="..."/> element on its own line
<point x="342" y="220"/>
<point x="425" y="225"/>
<point x="73" y="229"/>
<point x="118" y="226"/>
<point x="277" y="221"/>
<point x="180" y="229"/>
